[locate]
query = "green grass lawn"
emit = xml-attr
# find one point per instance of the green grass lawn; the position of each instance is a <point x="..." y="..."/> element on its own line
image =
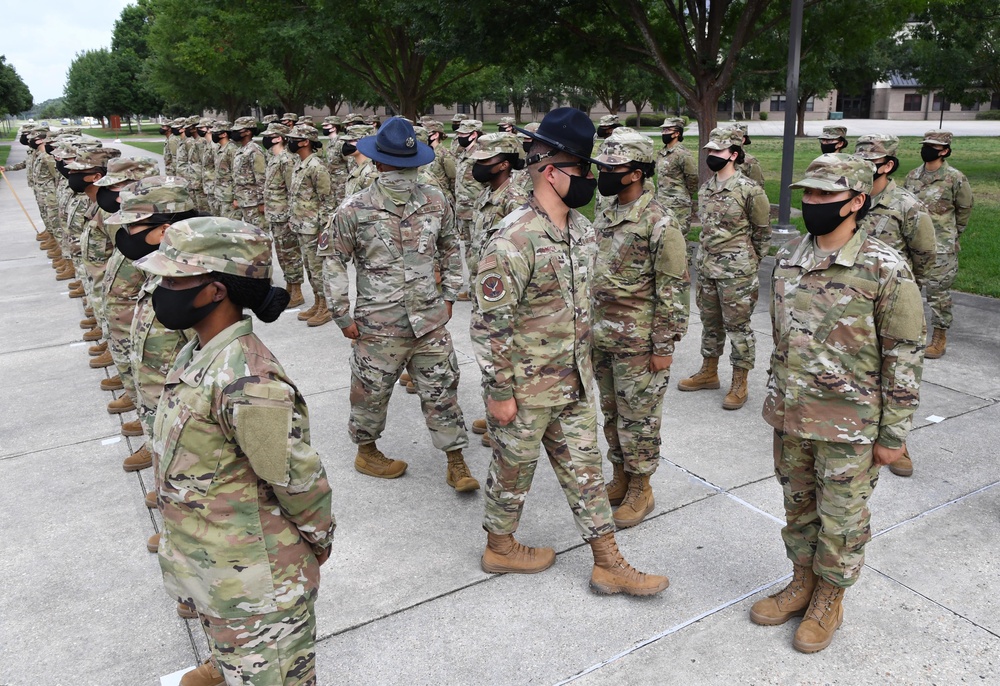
<point x="156" y="147"/>
<point x="4" y="151"/>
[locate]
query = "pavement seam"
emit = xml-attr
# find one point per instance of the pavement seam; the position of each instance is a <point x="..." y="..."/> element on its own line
<point x="722" y="491"/>
<point x="934" y="509"/>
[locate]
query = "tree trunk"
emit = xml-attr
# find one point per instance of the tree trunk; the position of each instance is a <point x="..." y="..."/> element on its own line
<point x="333" y="103"/>
<point x="518" y="108"/>
<point x="706" y="112"/>
<point x="800" y="116"/>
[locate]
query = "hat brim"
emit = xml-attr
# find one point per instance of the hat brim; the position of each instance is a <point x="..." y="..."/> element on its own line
<point x="424" y="154"/>
<point x="712" y="145"/>
<point x="487" y="154"/>
<point x="158" y="264"/>
<point x="819" y="185"/>
<point x="555" y="144"/>
<point x="931" y="141"/>
<point x="122" y="218"/>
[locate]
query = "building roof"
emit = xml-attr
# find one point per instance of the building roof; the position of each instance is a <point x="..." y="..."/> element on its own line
<point x="897" y="80"/>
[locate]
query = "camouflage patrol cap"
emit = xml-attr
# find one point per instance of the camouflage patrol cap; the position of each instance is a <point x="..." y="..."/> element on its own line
<point x="432" y="125"/>
<point x="672" y="123"/>
<point x="838" y="172"/>
<point x="493" y="144"/>
<point x="191" y="121"/>
<point x="40" y="132"/>
<point x="244" y="123"/>
<point x="332" y="119"/>
<point x="93" y="157"/>
<point x="876" y="146"/>
<point x="70" y="131"/>
<point x="269" y="119"/>
<point x="531" y="127"/>
<point x="221" y="126"/>
<point x="203" y="245"/>
<point x="507" y="120"/>
<point x="459" y="117"/>
<point x="357" y="132"/>
<point x="470" y="126"/>
<point x="277" y="128"/>
<point x="622" y="147"/>
<point x="937" y="137"/>
<point x="305" y="131"/>
<point x="290" y="116"/>
<point x="724" y="138"/>
<point x="609" y="120"/>
<point x="125" y="169"/>
<point x="306" y="119"/>
<point x="831" y="132"/>
<point x="421" y="134"/>
<point x="205" y="122"/>
<point x="353" y="118"/>
<point x="64" y="151"/>
<point x="153" y="195"/>
<point x="178" y="122"/>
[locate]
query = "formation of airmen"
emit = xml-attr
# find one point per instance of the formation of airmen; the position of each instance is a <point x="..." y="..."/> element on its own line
<point x="561" y="307"/>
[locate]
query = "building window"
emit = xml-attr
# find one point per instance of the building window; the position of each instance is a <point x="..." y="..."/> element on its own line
<point x="810" y="104"/>
<point x="913" y="102"/>
<point x="970" y="108"/>
<point x="940" y="103"/>
<point x="725" y="105"/>
<point x="429" y="109"/>
<point x="777" y="103"/>
<point x="995" y="102"/>
<point x="463" y="108"/>
<point x="502" y="108"/>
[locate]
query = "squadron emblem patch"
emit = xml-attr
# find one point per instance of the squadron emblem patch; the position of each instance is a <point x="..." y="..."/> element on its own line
<point x="493" y="288"/>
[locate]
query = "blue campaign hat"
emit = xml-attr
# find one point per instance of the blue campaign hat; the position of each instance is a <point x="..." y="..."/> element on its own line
<point x="396" y="144"/>
<point x="568" y="130"/>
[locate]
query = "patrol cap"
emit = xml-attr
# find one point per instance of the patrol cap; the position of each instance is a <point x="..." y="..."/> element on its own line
<point x="672" y="123"/>
<point x="838" y="172"/>
<point x="202" y="245"/>
<point x="191" y="121"/>
<point x="470" y="126"/>
<point x="93" y="157"/>
<point x="493" y="144"/>
<point x="125" y="169"/>
<point x="370" y="119"/>
<point x="269" y="119"/>
<point x="205" y="122"/>
<point x="937" y="137"/>
<point x="432" y="125"/>
<point x="177" y="123"/>
<point x="290" y="116"/>
<point x="875" y="146"/>
<point x="831" y="132"/>
<point x="610" y="120"/>
<point x="221" y="126"/>
<point x="332" y="119"/>
<point x="64" y="150"/>
<point x="306" y="119"/>
<point x="459" y="117"/>
<point x="421" y="134"/>
<point x="623" y="147"/>
<point x="244" y="123"/>
<point x="153" y="195"/>
<point x="70" y="131"/>
<point x="507" y="120"/>
<point x="724" y="139"/>
<point x="38" y="132"/>
<point x="567" y="130"/>
<point x="353" y="118"/>
<point x="528" y="129"/>
<point x="306" y="131"/>
<point x="357" y="132"/>
<point x="277" y="129"/>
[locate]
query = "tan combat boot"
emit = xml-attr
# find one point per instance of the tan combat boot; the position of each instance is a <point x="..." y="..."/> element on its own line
<point x="504" y="555"/>
<point x="75" y="284"/>
<point x="638" y="502"/>
<point x="612" y="574"/>
<point x="305" y="315"/>
<point x="618" y="486"/>
<point x="204" y="675"/>
<point x="53" y="253"/>
<point x="153" y="543"/>
<point x="112" y="384"/>
<point x="121" y="404"/>
<point x="322" y="315"/>
<point x="150" y="500"/>
<point x="139" y="460"/>
<point x="939" y="341"/>
<point x="295" y="295"/>
<point x="463" y="297"/>
<point x="88" y="311"/>
<point x="738" y="392"/>
<point x="903" y="466"/>
<point x="373" y="462"/>
<point x="43" y="235"/>
<point x="99" y="349"/>
<point x="404" y="379"/>
<point x="101" y="361"/>
<point x="133" y="428"/>
<point x="823" y="618"/>
<point x="791" y="601"/>
<point x="705" y="378"/>
<point x="75" y="293"/>
<point x="94" y="334"/>
<point x="88" y="323"/>
<point x="411" y="388"/>
<point x="65" y="274"/>
<point x="486" y="441"/>
<point x="186" y="611"/>
<point x="479" y="427"/>
<point x="458" y="476"/>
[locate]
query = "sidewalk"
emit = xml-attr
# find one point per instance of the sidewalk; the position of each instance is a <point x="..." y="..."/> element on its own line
<point x="403" y="600"/>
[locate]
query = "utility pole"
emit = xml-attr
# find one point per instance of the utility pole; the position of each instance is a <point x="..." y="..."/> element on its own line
<point x="785" y="230"/>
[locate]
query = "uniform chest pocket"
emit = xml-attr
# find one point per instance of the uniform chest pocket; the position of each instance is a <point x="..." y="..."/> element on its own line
<point x="375" y="246"/>
<point x="191" y="453"/>
<point x="849" y="323"/>
<point x="545" y="293"/>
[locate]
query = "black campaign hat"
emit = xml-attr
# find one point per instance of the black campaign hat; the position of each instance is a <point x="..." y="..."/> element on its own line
<point x="396" y="144"/>
<point x="568" y="130"/>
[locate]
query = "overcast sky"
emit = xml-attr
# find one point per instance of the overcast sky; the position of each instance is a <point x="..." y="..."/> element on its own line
<point x="41" y="40"/>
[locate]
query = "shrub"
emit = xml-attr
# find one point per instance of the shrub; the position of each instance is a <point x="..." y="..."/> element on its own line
<point x="651" y="120"/>
<point x="988" y="114"/>
<point x="763" y="116"/>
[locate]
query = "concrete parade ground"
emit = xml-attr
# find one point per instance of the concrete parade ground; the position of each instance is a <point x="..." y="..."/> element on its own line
<point x="403" y="599"/>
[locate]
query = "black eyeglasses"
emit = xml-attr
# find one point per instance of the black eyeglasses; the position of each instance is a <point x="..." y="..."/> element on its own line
<point x="584" y="167"/>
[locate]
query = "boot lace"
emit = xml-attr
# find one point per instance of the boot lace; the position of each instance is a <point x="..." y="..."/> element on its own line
<point x="821" y="603"/>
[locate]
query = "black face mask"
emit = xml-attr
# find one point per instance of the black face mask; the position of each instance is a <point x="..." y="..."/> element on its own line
<point x="61" y="168"/>
<point x="49" y="147"/>
<point x="107" y="200"/>
<point x="581" y="191"/>
<point x="821" y="219"/>
<point x="602" y="132"/>
<point x="465" y="141"/>
<point x="216" y="137"/>
<point x="348" y="149"/>
<point x="133" y="246"/>
<point x="176" y="310"/>
<point x="202" y="133"/>
<point x="76" y="182"/>
<point x="526" y="145"/>
<point x="484" y="173"/>
<point x="610" y="183"/>
<point x="327" y="131"/>
<point x="927" y="153"/>
<point x="164" y="130"/>
<point x="23" y="139"/>
<point x="174" y="131"/>
<point x="267" y="142"/>
<point x="828" y="148"/>
<point x="716" y="163"/>
<point x="668" y="138"/>
<point x="454" y="126"/>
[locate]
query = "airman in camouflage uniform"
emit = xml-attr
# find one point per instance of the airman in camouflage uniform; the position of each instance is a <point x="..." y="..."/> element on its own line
<point x="676" y="172"/>
<point x="91" y="164"/>
<point x="736" y="227"/>
<point x="440" y="173"/>
<point x="249" y="168"/>
<point x="506" y="124"/>
<point x="289" y="119"/>
<point x="641" y="295"/>
<point x="362" y="170"/>
<point x="833" y="139"/>
<point x="467" y="189"/>
<point x="534" y="293"/>
<point x="392" y="231"/>
<point x="181" y="166"/>
<point x="336" y="163"/>
<point x="844" y="384"/>
<point x="224" y="184"/>
<point x="456" y="121"/>
<point x="749" y="167"/>
<point x="947" y="195"/>
<point x="521" y="178"/>
<point x="245" y="500"/>
<point x="277" y="182"/>
<point x="607" y="125"/>
<point x="195" y="168"/>
<point x="309" y="213"/>
<point x="208" y="157"/>
<point x="169" y="146"/>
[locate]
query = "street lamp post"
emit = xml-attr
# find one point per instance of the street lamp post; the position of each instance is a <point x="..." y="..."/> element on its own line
<point x="785" y="230"/>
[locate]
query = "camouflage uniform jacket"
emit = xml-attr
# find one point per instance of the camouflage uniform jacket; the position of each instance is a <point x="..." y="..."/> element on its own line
<point x="277" y="181"/>
<point x="751" y="169"/>
<point x="245" y="498"/>
<point x="492" y="206"/>
<point x="441" y="172"/>
<point x="393" y="248"/>
<point x="249" y="168"/>
<point x="122" y="284"/>
<point x="309" y="196"/>
<point x="336" y="164"/>
<point x="223" y="181"/>
<point x="181" y="158"/>
<point x="676" y="176"/>
<point x="170" y="155"/>
<point x="533" y="287"/>
<point x="95" y="244"/>
<point x="736" y="226"/>
<point x="900" y="221"/>
<point x="154" y="348"/>
<point x="195" y="162"/>
<point x="76" y="220"/>
<point x="360" y="177"/>
<point x="208" y="167"/>
<point x="522" y="180"/>
<point x="848" y="343"/>
<point x="23" y="164"/>
<point x="467" y="189"/>
<point x="947" y="195"/>
<point x="43" y="170"/>
<point x="641" y="290"/>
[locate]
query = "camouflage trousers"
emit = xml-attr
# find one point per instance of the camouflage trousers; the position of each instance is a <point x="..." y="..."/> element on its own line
<point x="313" y="263"/>
<point x="275" y="649"/>
<point x="826" y="487"/>
<point x="465" y="227"/>
<point x="683" y="214"/>
<point x="225" y="209"/>
<point x="569" y="435"/>
<point x="95" y="262"/>
<point x="286" y="245"/>
<point x="119" y="318"/>
<point x="211" y="202"/>
<point x="632" y="404"/>
<point x="939" y="280"/>
<point x="726" y="306"/>
<point x="252" y="215"/>
<point x="376" y="363"/>
<point x="48" y="208"/>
